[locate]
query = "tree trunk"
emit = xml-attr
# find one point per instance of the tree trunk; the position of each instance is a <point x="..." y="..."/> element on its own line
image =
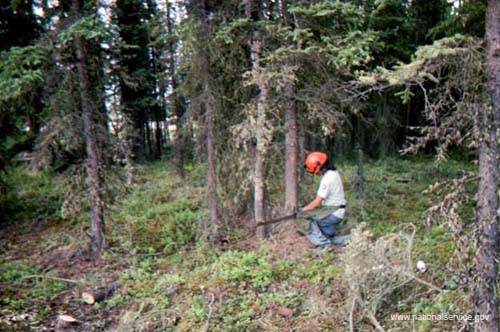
<point x="291" y="153"/>
<point x="291" y="141"/>
<point x="94" y="179"/>
<point x="211" y="170"/>
<point x="177" y="110"/>
<point x="179" y="144"/>
<point x="485" y="292"/>
<point x="137" y="85"/>
<point x="260" y="124"/>
<point x="252" y="12"/>
<point x="149" y="138"/>
<point x="158" y="133"/>
<point x="164" y="81"/>
<point x="359" y="179"/>
<point x="201" y="12"/>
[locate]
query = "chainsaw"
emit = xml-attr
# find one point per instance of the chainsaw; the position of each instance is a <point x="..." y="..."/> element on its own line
<point x="277" y="220"/>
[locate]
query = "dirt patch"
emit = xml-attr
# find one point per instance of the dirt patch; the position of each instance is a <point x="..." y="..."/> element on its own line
<point x="288" y="241"/>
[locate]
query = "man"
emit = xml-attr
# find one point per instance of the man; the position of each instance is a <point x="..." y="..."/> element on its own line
<point x="328" y="208"/>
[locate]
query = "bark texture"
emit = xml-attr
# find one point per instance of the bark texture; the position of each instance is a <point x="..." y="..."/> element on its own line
<point x="252" y="12"/>
<point x="290" y="136"/>
<point x="486" y="292"/>
<point x="211" y="170"/>
<point x="210" y="112"/>
<point x="94" y="167"/>
<point x="176" y="108"/>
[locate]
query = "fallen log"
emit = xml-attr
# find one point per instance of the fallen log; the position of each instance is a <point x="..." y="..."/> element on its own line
<point x="99" y="294"/>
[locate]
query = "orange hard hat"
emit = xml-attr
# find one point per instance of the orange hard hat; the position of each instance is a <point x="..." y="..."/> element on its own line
<point x="315" y="161"/>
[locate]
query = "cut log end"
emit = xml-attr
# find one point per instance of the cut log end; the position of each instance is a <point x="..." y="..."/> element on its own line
<point x="65" y="322"/>
<point x="67" y="319"/>
<point x="88" y="298"/>
<point x="100" y="294"/>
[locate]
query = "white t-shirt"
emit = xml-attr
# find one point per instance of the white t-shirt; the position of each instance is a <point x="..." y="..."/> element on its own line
<point x="332" y="191"/>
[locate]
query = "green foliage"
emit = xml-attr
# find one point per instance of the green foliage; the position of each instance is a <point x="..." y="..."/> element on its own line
<point x="197" y="310"/>
<point x="30" y="196"/>
<point x="428" y="61"/>
<point x="21" y="75"/>
<point x="21" y="72"/>
<point x="448" y="303"/>
<point x="175" y="221"/>
<point x="239" y="314"/>
<point x="246" y="267"/>
<point x="467" y="19"/>
<point x="320" y="271"/>
<point x="340" y="16"/>
<point x="352" y="51"/>
<point x="169" y="220"/>
<point x="292" y="299"/>
<point x="167" y="225"/>
<point x="390" y="18"/>
<point x="89" y="28"/>
<point x="145" y="285"/>
<point x="25" y="289"/>
<point x="336" y="30"/>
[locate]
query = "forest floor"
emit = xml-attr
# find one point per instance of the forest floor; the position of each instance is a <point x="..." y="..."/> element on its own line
<point x="169" y="280"/>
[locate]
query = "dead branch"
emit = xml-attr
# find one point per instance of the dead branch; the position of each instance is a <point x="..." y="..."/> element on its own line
<point x="52" y="278"/>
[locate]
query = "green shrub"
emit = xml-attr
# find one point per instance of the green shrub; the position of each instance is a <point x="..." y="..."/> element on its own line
<point x="246" y="266"/>
<point x="158" y="220"/>
<point x="291" y="299"/>
<point x="321" y="270"/>
<point x="197" y="310"/>
<point x="28" y="195"/>
<point x="238" y="315"/>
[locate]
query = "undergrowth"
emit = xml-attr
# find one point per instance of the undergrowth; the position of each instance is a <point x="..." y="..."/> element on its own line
<point x="29" y="195"/>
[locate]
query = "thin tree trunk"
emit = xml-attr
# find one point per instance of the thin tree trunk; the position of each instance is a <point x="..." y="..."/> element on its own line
<point x="158" y="134"/>
<point x="359" y="180"/>
<point x="94" y="180"/>
<point x="210" y="113"/>
<point x="486" y="292"/>
<point x="211" y="170"/>
<point x="179" y="143"/>
<point x="166" y="132"/>
<point x="138" y="137"/>
<point x="253" y="14"/>
<point x="163" y="83"/>
<point x="149" y="138"/>
<point x="291" y="155"/>
<point x="290" y="136"/>
<point x="260" y="124"/>
<point x="158" y="107"/>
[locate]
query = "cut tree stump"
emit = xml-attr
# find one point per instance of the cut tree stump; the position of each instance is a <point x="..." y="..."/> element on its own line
<point x="99" y="294"/>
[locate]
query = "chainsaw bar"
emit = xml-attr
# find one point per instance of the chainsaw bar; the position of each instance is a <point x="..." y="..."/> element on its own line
<point x="277" y="220"/>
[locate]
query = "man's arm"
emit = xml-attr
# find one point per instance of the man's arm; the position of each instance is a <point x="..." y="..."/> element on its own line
<point x="316" y="203"/>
